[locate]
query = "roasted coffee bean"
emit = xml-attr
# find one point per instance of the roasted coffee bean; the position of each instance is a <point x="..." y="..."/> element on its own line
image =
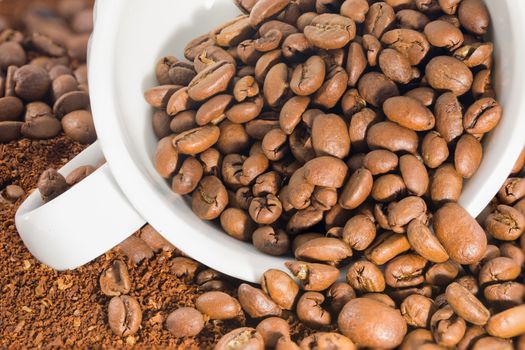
<point x="185" y="322"/>
<point x="388" y="187"/>
<point x="13" y="192"/>
<point x="449" y="116"/>
<point x="328" y="250"/>
<point x="159" y="96"/>
<point x="211" y="81"/>
<point x="376" y="88"/>
<point x="210" y="198"/>
<point x="466" y="305"/>
<point x="449" y="74"/>
<point x="512" y="190"/>
<point x="418" y="338"/>
<point x="505" y="295"/>
<point x="160" y="123"/>
<point x="330" y="31"/>
<point x="166" y="157"/>
<point x="492" y="343"/>
<point x="218" y="306"/>
<point x="505" y="223"/>
<point x="396" y="66"/>
<point x="256" y="303"/>
<point x="408" y="42"/>
<point x="417" y="310"/>
<point x="409" y="112"/>
<point x="412" y="19"/>
<point x="482" y="116"/>
<point x="291" y="113"/>
<point x="183" y="267"/>
<point x="446" y="184"/>
<point x="12" y="54"/>
<point x="370" y="323"/>
<point x="31" y="82"/>
<point x="443" y="34"/>
<point x="79" y="126"/>
<point x="314" y="277"/>
<point x="414" y="174"/>
<point x="401" y="213"/>
<point x="514" y="252"/>
<point x="307" y="78"/>
<point x="135" y="249"/>
<point x="507" y="324"/>
<point x="357" y="189"/>
<point x="51" y="184"/>
<point x="355" y="10"/>
<point x="310" y="312"/>
<point x="474" y="16"/>
<point x="330" y="136"/>
<point x="115" y="279"/>
<point x="281" y="288"/>
<point x="425" y="95"/>
<point x="265" y="210"/>
<point x="380" y="17"/>
<point x="324" y="340"/>
<point x="10" y="108"/>
<point x="365" y="276"/>
<point x="241" y="338"/>
<point x="304" y="219"/>
<point x="447" y="327"/>
<point x="405" y="271"/>
<point x="382" y="298"/>
<point x="442" y="274"/>
<point x="79" y="174"/>
<point x="124" y="315"/>
<point x="386" y="247"/>
<point x="356" y="62"/>
<point x="399" y="138"/>
<point x="434" y="150"/>
<point x="359" y="232"/>
<point x="325" y="171"/>
<point x="425" y="243"/>
<point x="187" y="177"/>
<point x="332" y="89"/>
<point x="42" y="128"/>
<point x="461" y="236"/>
<point x="360" y="122"/>
<point x="154" y="240"/>
<point x="237" y="223"/>
<point x="273" y="328"/>
<point x="196" y="140"/>
<point x="338" y="295"/>
<point x="499" y="269"/>
<point x="276" y="84"/>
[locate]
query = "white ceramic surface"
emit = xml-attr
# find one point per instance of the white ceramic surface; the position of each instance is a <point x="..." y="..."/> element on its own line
<point x="130" y="36"/>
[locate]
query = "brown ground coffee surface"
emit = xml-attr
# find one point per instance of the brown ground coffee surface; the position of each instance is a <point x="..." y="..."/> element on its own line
<point x="40" y="307"/>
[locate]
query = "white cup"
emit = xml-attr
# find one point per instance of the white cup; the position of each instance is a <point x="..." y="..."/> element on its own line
<point x="101" y="211"/>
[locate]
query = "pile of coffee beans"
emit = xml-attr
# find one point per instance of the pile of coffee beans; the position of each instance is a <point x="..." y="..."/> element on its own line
<point x="43" y="76"/>
<point x="342" y="132"/>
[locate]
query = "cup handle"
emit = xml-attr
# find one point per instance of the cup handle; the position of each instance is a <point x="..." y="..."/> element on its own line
<point x="84" y="222"/>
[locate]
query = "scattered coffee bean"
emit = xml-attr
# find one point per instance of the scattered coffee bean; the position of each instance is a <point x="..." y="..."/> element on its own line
<point x="115" y="279"/>
<point x="124" y="315"/>
<point x="185" y="322"/>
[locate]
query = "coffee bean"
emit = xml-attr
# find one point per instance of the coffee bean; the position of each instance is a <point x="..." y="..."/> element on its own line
<point x="154" y="240"/>
<point x="499" y="269"/>
<point x="330" y="31"/>
<point x="355" y="10"/>
<point x="466" y="305"/>
<point x="328" y="250"/>
<point x="43" y="128"/>
<point x="397" y="67"/>
<point x="359" y="232"/>
<point x="314" y="277"/>
<point x="380" y="17"/>
<point x="310" y="312"/>
<point x="124" y="315"/>
<point x="512" y="190"/>
<point x="218" y="306"/>
<point x="330" y="136"/>
<point x="271" y="329"/>
<point x="505" y="223"/>
<point x="79" y="174"/>
<point x="505" y="295"/>
<point x="160" y="123"/>
<point x="449" y="116"/>
<point x="71" y="102"/>
<point x="467" y="247"/>
<point x="417" y="310"/>
<point x="443" y="34"/>
<point x="405" y="271"/>
<point x="210" y="198"/>
<point x="115" y="279"/>
<point x="166" y="157"/>
<point x="159" y="96"/>
<point x="482" y="116"/>
<point x="185" y="322"/>
<point x="388" y="187"/>
<point x="508" y="323"/>
<point x="447" y="327"/>
<point x="307" y="78"/>
<point x="474" y="16"/>
<point x="399" y="138"/>
<point x="376" y="88"/>
<point x="245" y="337"/>
<point x="31" y="82"/>
<point x="412" y="19"/>
<point x="370" y="323"/>
<point x="411" y="43"/>
<point x="211" y="81"/>
<point x="14" y="192"/>
<point x="281" y="288"/>
<point x="409" y="112"/>
<point x="12" y="54"/>
<point x="448" y="73"/>
<point x="446" y="184"/>
<point x="237" y="223"/>
<point x="10" y="108"/>
<point x="357" y="189"/>
<point x="425" y="243"/>
<point x="401" y="213"/>
<point x="10" y="131"/>
<point x="414" y="174"/>
<point x="434" y="150"/>
<point x="51" y="184"/>
<point x="365" y="276"/>
<point x="256" y="303"/>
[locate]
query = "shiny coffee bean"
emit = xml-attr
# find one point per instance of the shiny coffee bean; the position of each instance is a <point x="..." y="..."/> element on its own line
<point x="124" y="315"/>
<point x="115" y="279"/>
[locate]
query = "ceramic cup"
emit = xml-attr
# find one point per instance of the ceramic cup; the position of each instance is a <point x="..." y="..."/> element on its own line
<point x="129" y="37"/>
